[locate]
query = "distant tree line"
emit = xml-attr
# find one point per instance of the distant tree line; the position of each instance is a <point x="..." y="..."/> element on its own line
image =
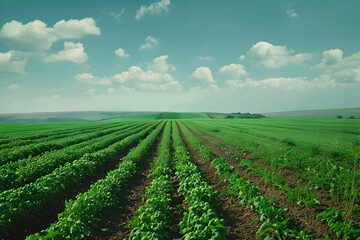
<point x="245" y="115"/>
<point x="351" y="117"/>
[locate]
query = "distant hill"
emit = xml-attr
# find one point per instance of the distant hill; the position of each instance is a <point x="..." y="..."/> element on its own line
<point x="320" y="113"/>
<point x="51" y="117"/>
<point x="182" y="115"/>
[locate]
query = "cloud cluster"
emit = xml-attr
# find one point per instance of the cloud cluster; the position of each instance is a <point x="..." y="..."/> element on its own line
<point x="36" y="35"/>
<point x="13" y="86"/>
<point x="13" y="62"/>
<point x="150" y="42"/>
<point x="121" y="53"/>
<point x="73" y="52"/>
<point x="202" y="74"/>
<point x="154" y="9"/>
<point x="272" y="56"/>
<point x="290" y="11"/>
<point x="339" y="68"/>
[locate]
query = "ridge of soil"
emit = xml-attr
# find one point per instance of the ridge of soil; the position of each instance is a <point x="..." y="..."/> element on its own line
<point x="304" y="218"/>
<point x="238" y="218"/>
<point x="113" y="219"/>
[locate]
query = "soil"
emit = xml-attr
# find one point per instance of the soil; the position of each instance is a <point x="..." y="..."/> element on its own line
<point x="113" y="220"/>
<point x="304" y="218"/>
<point x="238" y="219"/>
<point x="49" y="211"/>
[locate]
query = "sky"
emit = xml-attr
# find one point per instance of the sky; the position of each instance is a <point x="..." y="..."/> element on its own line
<point x="179" y="55"/>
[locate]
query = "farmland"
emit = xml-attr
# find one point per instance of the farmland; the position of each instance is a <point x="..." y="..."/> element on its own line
<point x="181" y="176"/>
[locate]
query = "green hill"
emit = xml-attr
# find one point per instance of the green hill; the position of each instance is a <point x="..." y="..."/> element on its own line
<point x="320" y="113"/>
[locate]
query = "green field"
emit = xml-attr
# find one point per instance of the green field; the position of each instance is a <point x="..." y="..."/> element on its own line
<point x="185" y="174"/>
<point x="319" y="113"/>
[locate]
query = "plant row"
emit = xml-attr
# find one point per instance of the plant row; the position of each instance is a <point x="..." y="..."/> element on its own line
<point x="17" y="142"/>
<point x="78" y="213"/>
<point x="25" y="171"/>
<point x="15" y="204"/>
<point x="271" y="215"/>
<point x="154" y="217"/>
<point x="17" y="153"/>
<point x="200" y="221"/>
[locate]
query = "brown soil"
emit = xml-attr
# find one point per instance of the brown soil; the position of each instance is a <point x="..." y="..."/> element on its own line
<point x="176" y="214"/>
<point x="302" y="217"/>
<point x="112" y="221"/>
<point x="50" y="210"/>
<point x="238" y="219"/>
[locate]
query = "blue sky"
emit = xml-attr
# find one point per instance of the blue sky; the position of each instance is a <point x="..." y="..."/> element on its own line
<point x="226" y="56"/>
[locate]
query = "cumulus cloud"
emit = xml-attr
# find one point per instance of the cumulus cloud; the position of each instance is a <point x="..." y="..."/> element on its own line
<point x="147" y="80"/>
<point x="75" y="28"/>
<point x="36" y="35"/>
<point x="160" y="65"/>
<point x="154" y="9"/>
<point x="13" y="86"/>
<point x="111" y="90"/>
<point x="150" y="42"/>
<point x="234" y="71"/>
<point x="338" y="68"/>
<point x="206" y="58"/>
<point x="12" y="62"/>
<point x="203" y="74"/>
<point x="73" y="52"/>
<point x="90" y="92"/>
<point x="290" y="11"/>
<point x="272" y="56"/>
<point x="89" y="79"/>
<point x="121" y="53"/>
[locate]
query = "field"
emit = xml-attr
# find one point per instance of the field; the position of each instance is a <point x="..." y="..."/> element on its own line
<point x="181" y="176"/>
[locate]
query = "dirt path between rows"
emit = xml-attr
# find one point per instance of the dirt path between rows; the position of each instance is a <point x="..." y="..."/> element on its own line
<point x="302" y="217"/>
<point x="238" y="219"/>
<point x="113" y="220"/>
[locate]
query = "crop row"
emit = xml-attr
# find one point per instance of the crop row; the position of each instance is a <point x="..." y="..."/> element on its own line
<point x="201" y="220"/>
<point x="25" y="171"/>
<point x="153" y="218"/>
<point x="15" y="204"/>
<point x="17" y="142"/>
<point x="72" y="223"/>
<point x="22" y="152"/>
<point x="271" y="214"/>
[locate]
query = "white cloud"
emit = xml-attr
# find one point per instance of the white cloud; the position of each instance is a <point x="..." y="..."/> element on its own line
<point x="90" y="92"/>
<point x="272" y="56"/>
<point x="118" y="15"/>
<point x="36" y="35"/>
<point x="73" y="52"/>
<point x="150" y="42"/>
<point x="121" y="53"/>
<point x="160" y="65"/>
<point x="202" y="74"/>
<point x="147" y="80"/>
<point x="136" y="74"/>
<point x="89" y="79"/>
<point x="340" y="69"/>
<point x="298" y="83"/>
<point x="13" y="86"/>
<point x="75" y="28"/>
<point x="55" y="96"/>
<point x="234" y="71"/>
<point x="290" y="11"/>
<point x="206" y="58"/>
<point x="12" y="62"/>
<point x="154" y="9"/>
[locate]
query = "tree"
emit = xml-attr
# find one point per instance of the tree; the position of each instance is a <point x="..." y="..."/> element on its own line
<point x="339" y="117"/>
